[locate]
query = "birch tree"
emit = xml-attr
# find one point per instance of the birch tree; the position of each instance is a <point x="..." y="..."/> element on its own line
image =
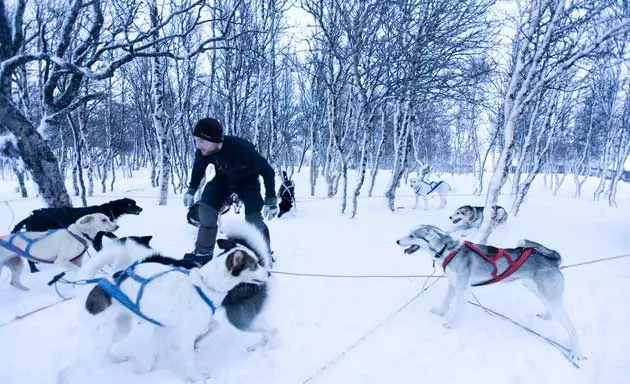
<point x="557" y="34"/>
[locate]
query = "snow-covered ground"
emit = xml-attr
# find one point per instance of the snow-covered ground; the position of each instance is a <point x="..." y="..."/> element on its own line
<point x="321" y="318"/>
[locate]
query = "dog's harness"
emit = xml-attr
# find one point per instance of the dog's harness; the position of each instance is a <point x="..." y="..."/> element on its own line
<point x="26" y="252"/>
<point x="433" y="185"/>
<point x="113" y="290"/>
<point x="513" y="265"/>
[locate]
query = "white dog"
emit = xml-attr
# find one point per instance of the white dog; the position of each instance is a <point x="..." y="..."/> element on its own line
<point x="424" y="189"/>
<point x="64" y="247"/>
<point x="176" y="306"/>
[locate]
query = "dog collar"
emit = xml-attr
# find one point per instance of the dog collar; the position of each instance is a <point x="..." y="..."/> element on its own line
<point x="440" y="253"/>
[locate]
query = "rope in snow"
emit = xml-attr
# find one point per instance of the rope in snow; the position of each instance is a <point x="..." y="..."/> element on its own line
<point x="34" y="311"/>
<point x="354" y="276"/>
<point x="378" y="326"/>
<point x="341" y="276"/>
<point x="301" y="200"/>
<point x="565" y="351"/>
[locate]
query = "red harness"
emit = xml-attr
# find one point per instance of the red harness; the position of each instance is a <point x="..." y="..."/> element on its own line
<point x="513" y="265"/>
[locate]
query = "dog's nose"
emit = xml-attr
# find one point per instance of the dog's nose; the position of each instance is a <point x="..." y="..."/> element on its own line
<point x="398" y="242"/>
<point x="116" y="227"/>
<point x="268" y="273"/>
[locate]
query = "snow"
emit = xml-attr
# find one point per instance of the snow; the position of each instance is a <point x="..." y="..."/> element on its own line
<point x="320" y="319"/>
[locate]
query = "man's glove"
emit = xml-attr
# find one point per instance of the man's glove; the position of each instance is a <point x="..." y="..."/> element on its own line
<point x="270" y="210"/>
<point x="189" y="197"/>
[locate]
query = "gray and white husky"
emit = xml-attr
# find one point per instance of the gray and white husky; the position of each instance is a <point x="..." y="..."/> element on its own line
<point x="466" y="264"/>
<point x="469" y="217"/>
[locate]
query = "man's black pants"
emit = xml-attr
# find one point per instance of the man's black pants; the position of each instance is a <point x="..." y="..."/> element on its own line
<point x="214" y="195"/>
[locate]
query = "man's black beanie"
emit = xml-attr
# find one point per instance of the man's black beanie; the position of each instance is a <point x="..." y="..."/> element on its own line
<point x="209" y="129"/>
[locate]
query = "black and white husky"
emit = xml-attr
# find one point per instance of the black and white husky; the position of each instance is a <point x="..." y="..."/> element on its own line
<point x="182" y="296"/>
<point x="467" y="264"/>
<point x="468" y="217"/>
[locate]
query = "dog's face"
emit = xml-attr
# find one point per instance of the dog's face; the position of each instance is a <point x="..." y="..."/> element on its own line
<point x="241" y="262"/>
<point x="461" y="213"/>
<point x="94" y="223"/>
<point x="124" y="206"/>
<point x="414" y="182"/>
<point x="426" y="237"/>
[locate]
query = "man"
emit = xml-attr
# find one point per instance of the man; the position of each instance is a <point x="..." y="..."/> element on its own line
<point x="237" y="166"/>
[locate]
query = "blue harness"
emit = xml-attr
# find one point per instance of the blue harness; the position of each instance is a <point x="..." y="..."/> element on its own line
<point x="26" y="252"/>
<point x="432" y="184"/>
<point x="113" y="290"/>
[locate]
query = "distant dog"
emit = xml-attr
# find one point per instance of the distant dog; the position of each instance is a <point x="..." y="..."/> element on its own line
<point x="180" y="298"/>
<point x="45" y="219"/>
<point x="425" y="189"/>
<point x="467" y="264"/>
<point x="470" y="217"/>
<point x="286" y="192"/>
<point x="63" y="247"/>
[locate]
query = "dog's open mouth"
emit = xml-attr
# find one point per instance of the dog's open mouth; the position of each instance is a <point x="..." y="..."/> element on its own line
<point x="457" y="220"/>
<point x="257" y="282"/>
<point x="136" y="211"/>
<point x="412" y="249"/>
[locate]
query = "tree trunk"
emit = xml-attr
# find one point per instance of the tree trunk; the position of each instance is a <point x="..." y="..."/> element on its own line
<point x="401" y="151"/>
<point x="79" y="144"/>
<point x="38" y="158"/>
<point x="313" y="171"/>
<point x="363" y="160"/>
<point x="19" y="173"/>
<point x="524" y="149"/>
<point x="622" y="156"/>
<point x="538" y="156"/>
<point x="482" y="165"/>
<point x="379" y="154"/>
<point x="161" y="129"/>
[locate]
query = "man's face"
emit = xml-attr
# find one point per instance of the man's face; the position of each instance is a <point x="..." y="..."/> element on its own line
<point x="207" y="147"/>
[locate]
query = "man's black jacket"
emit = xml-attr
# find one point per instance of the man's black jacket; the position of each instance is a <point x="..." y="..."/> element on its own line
<point x="238" y="160"/>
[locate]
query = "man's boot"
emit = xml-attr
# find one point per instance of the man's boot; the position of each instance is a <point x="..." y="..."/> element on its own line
<point x="206" y="235"/>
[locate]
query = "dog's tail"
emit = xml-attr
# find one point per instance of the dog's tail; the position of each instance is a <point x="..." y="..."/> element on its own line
<point x="100" y="260"/>
<point x="550" y="254"/>
<point x="97" y="301"/>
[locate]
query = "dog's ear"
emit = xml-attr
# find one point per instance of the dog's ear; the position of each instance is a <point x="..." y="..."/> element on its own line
<point x="145" y="240"/>
<point x="86" y="219"/>
<point x="235" y="260"/>
<point x="226" y="244"/>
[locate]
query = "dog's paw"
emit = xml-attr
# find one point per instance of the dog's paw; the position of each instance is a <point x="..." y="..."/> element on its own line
<point x="266" y="341"/>
<point x="438" y="311"/>
<point x="143" y="364"/>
